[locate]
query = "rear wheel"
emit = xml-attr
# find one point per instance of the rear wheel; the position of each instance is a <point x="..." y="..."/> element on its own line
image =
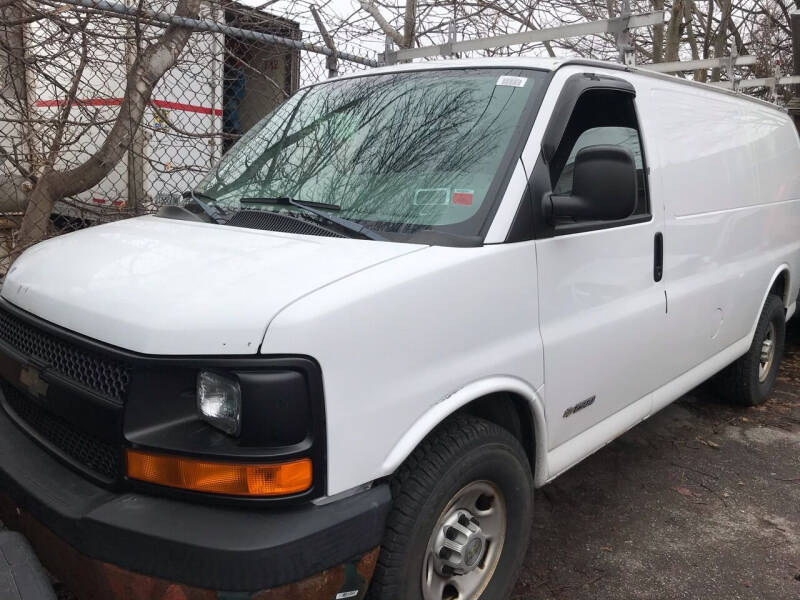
<point x="458" y="530"/>
<point x="749" y="381"/>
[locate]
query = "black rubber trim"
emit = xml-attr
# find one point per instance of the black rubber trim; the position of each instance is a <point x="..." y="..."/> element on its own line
<point x="571" y="92"/>
<point x="211" y="547"/>
<point x="499" y="186"/>
<point x="522" y="228"/>
<point x="530" y="222"/>
<point x="584" y="226"/>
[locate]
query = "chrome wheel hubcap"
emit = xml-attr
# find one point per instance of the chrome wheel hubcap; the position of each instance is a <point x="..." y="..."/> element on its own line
<point x="465" y="545"/>
<point x="767" y="354"/>
<point x="459" y="544"/>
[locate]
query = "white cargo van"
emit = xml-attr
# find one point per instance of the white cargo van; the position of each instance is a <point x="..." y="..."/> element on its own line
<point x="400" y="303"/>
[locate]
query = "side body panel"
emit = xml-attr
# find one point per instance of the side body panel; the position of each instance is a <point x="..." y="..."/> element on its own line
<point x="732" y="198"/>
<point x="404" y="342"/>
<point x="728" y="183"/>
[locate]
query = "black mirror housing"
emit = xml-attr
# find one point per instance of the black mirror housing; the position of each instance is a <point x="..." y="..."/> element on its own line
<point x="604" y="186"/>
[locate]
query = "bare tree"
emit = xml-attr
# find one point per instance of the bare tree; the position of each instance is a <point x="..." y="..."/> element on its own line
<point x="16" y="108"/>
<point x="62" y="152"/>
<point x="695" y="29"/>
<point x="147" y="69"/>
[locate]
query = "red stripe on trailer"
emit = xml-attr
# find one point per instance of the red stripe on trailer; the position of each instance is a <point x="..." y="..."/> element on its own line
<point x="86" y="102"/>
<point x="187" y="107"/>
<point x="204" y="110"/>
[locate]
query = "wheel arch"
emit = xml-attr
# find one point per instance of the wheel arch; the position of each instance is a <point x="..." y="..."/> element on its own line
<point x="493" y="399"/>
<point x="781" y="284"/>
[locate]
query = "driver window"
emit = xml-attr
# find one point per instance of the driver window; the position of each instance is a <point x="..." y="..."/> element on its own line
<point x="601" y="117"/>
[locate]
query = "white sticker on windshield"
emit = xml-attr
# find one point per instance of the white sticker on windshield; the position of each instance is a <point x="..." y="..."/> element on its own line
<point x="431" y="196"/>
<point x="511" y="80"/>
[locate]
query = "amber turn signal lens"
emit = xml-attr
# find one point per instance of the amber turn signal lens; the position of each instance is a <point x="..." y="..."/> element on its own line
<point x="277" y="479"/>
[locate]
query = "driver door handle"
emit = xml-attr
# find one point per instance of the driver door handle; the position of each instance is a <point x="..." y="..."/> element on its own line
<point x="658" y="257"/>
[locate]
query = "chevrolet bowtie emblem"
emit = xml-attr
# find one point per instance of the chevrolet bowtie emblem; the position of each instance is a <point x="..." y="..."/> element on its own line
<point x="32" y="380"/>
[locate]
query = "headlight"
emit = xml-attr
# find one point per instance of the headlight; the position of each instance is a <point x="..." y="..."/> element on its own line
<point x="219" y="400"/>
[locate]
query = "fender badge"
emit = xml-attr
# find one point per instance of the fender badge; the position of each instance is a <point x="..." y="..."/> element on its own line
<point x="579" y="406"/>
<point x="32" y="380"/>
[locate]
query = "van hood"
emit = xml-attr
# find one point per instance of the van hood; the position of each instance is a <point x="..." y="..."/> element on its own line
<point x="166" y="287"/>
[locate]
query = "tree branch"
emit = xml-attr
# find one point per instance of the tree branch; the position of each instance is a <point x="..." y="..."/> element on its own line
<point x="146" y="71"/>
<point x="396" y="36"/>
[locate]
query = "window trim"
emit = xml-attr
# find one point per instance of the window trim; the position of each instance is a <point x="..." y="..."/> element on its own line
<point x="539" y="181"/>
<point x="575" y="87"/>
<point x="635" y="219"/>
<point x="570" y="228"/>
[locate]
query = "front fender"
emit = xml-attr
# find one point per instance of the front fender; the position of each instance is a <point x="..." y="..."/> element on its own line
<point x="452" y="403"/>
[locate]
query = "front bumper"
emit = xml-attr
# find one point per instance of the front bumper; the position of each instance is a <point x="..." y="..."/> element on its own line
<point x="205" y="547"/>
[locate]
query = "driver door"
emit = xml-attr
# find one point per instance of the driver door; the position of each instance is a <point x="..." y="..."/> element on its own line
<point x="601" y="299"/>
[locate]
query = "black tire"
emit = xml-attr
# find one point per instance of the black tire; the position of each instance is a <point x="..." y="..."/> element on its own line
<point x="461" y="451"/>
<point x="739" y="383"/>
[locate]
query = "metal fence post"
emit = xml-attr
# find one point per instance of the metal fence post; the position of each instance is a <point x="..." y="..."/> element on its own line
<point x="332" y="60"/>
<point x="136" y="150"/>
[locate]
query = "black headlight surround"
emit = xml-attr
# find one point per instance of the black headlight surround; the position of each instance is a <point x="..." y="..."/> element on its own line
<point x="158" y="412"/>
<point x="283" y="417"/>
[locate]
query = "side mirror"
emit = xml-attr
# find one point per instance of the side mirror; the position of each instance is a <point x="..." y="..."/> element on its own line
<point x="604" y="186"/>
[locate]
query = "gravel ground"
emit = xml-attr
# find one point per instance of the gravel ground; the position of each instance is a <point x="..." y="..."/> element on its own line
<point x="702" y="501"/>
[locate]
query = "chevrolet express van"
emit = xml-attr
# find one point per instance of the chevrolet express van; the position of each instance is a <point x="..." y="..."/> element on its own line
<point x="399" y="304"/>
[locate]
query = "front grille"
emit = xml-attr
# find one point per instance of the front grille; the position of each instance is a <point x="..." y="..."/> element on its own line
<point x="272" y="221"/>
<point x="99" y="457"/>
<point x="91" y="370"/>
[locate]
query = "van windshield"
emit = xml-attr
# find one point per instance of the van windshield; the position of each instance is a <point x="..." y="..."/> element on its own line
<point x="401" y="154"/>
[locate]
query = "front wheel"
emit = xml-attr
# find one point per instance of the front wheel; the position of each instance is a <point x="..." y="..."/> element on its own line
<point x="459" y="526"/>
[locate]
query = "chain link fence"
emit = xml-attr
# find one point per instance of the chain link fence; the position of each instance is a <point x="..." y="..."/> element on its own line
<point x="63" y="68"/>
<point x="64" y="82"/>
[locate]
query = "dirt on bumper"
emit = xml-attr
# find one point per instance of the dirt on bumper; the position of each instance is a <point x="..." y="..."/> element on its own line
<point x="90" y="579"/>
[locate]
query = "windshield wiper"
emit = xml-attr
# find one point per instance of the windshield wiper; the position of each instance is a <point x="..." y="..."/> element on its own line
<point x="210" y="209"/>
<point x="313" y="208"/>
